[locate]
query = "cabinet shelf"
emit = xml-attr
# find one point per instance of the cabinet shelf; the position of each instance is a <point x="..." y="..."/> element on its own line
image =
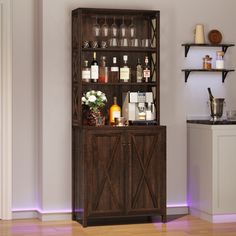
<point x="223" y="71"/>
<point x="120" y="84"/>
<point x="120" y="49"/>
<point x="188" y="45"/>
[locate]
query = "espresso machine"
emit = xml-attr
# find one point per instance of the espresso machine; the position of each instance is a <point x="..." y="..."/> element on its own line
<point x="138" y="106"/>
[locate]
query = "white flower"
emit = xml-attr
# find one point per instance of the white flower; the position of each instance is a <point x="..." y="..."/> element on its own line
<point x="88" y="94"/>
<point x="83" y="99"/>
<point x="99" y="93"/>
<point x="103" y="98"/>
<point x="92" y="98"/>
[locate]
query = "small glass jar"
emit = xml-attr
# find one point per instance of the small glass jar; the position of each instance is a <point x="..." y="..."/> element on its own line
<point x="207" y="62"/>
<point x="219" y="60"/>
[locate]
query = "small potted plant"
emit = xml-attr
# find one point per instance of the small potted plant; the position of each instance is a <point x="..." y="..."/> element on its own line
<point x="92" y="104"/>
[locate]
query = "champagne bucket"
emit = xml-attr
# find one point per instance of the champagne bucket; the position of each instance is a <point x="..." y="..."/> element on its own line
<point x="216" y="106"/>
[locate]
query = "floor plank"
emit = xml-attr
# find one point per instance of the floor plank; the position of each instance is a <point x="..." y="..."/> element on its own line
<point x="180" y="226"/>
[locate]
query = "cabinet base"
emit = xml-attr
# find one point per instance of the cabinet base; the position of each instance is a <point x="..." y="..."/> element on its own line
<point x="122" y="220"/>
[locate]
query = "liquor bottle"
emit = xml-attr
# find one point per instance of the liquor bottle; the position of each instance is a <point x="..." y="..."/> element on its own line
<point x="103" y="71"/>
<point x="114" y="72"/>
<point x="146" y="71"/>
<point x="114" y="112"/>
<point x="125" y="70"/>
<point x="86" y="72"/>
<point x="94" y="69"/>
<point x="139" y="71"/>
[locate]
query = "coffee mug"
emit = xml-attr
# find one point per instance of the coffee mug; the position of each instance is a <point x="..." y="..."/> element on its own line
<point x="199" y="34"/>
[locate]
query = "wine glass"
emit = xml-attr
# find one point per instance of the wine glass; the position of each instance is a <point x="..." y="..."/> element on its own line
<point x="96" y="28"/>
<point x="123" y="29"/>
<point x="105" y="28"/>
<point x="132" y="29"/>
<point x="114" y="29"/>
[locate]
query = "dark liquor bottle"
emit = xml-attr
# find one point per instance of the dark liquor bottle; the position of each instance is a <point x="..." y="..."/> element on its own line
<point x="94" y="69"/>
<point x="139" y="71"/>
<point x="146" y="71"/>
<point x="114" y="71"/>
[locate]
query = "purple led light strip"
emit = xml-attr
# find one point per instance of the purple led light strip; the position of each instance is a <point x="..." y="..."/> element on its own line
<point x="70" y="211"/>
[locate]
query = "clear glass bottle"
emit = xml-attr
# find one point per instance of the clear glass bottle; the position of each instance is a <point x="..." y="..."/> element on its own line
<point x="114" y="71"/>
<point x="94" y="69"/>
<point x="86" y="72"/>
<point x="103" y="71"/>
<point x="219" y="60"/>
<point x="114" y="112"/>
<point x="125" y="71"/>
<point x="146" y="71"/>
<point x="139" y="71"/>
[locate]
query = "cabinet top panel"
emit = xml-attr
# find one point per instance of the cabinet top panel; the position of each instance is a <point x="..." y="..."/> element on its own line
<point x="113" y="12"/>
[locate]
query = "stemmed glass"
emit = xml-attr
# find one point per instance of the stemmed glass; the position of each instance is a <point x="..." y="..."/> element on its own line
<point x="114" y="29"/>
<point x="96" y="28"/>
<point x="132" y="29"/>
<point x="105" y="32"/>
<point x="123" y="29"/>
<point x="105" y="28"/>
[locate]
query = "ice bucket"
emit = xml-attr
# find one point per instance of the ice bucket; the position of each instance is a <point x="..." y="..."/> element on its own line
<point x="216" y="106"/>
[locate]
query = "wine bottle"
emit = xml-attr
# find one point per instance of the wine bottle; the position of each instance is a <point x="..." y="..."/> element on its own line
<point x="114" y="112"/>
<point x="146" y="71"/>
<point x="114" y="71"/>
<point x="94" y="69"/>
<point x="210" y="94"/>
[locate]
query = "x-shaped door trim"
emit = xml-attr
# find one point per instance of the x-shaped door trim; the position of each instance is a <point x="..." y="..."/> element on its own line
<point x="106" y="177"/>
<point x="144" y="172"/>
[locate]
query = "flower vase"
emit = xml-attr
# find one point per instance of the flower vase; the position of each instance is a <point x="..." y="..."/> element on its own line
<point x="93" y="117"/>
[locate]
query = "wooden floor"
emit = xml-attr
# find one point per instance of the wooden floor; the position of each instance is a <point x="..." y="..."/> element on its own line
<point x="181" y="226"/>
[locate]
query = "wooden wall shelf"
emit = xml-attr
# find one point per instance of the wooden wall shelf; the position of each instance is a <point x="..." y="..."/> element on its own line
<point x="223" y="71"/>
<point x="188" y="45"/>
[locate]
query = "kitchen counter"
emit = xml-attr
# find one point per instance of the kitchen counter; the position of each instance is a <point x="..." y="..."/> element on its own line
<point x="211" y="170"/>
<point x="210" y="122"/>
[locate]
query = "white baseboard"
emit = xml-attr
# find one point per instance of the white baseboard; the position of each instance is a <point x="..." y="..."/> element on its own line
<point x="177" y="210"/>
<point x="24" y="214"/>
<point x="55" y="216"/>
<point x="36" y="214"/>
<point x="216" y="218"/>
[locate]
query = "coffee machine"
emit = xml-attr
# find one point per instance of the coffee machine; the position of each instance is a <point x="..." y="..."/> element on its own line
<point x="138" y="106"/>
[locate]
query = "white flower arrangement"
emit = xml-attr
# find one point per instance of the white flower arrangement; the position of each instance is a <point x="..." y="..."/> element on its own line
<point x="94" y="99"/>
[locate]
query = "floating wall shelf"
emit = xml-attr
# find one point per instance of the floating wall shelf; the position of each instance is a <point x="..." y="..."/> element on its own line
<point x="188" y="45"/>
<point x="223" y="71"/>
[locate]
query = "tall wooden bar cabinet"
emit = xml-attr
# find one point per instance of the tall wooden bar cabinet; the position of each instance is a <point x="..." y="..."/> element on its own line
<point x="117" y="172"/>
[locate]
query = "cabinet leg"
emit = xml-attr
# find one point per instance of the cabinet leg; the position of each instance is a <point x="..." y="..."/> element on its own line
<point x="85" y="222"/>
<point x="163" y="218"/>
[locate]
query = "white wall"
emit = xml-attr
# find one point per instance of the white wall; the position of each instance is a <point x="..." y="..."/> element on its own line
<point x="25" y="110"/>
<point x="178" y="99"/>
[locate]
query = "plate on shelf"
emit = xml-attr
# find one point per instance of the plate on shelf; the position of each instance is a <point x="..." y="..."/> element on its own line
<point x="215" y="36"/>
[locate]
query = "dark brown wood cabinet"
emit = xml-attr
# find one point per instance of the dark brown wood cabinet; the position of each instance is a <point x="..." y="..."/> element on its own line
<point x="117" y="171"/>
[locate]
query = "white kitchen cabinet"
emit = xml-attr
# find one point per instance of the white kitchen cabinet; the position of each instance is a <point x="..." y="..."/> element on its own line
<point x="212" y="172"/>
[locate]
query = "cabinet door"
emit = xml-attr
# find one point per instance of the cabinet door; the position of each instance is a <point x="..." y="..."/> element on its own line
<point x="147" y="171"/>
<point x="105" y="182"/>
